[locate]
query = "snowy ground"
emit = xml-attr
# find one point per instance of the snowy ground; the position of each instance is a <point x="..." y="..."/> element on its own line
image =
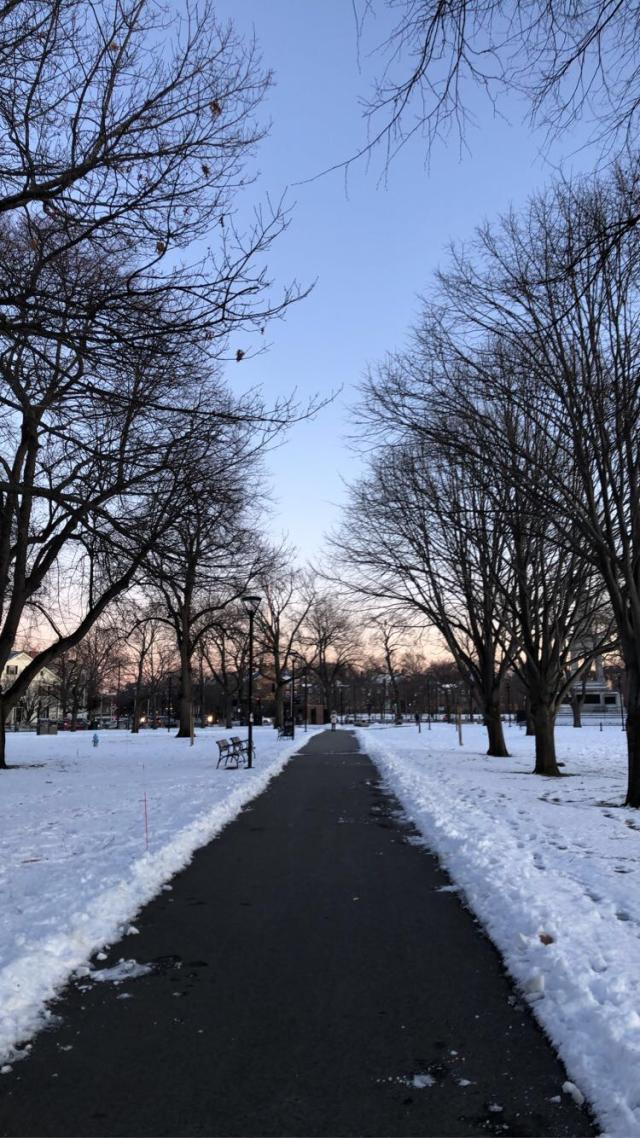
<point x="550" y="866"/>
<point x="552" y="869"/>
<point x="88" y="835"/>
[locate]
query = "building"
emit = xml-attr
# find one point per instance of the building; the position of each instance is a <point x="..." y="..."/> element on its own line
<point x="599" y="703"/>
<point x="40" y="700"/>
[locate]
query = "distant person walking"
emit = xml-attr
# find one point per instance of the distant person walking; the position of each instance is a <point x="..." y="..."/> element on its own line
<point x="334" y="720"/>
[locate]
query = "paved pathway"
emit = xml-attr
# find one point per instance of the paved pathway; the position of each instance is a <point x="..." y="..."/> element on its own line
<point x="308" y="971"/>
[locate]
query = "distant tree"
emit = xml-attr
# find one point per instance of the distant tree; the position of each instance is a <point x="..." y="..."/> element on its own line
<point x="331" y="644"/>
<point x="438" y="553"/>
<point x="210" y="553"/>
<point x="389" y="636"/>
<point x="288" y="595"/>
<point x="149" y="655"/>
<point x="225" y="646"/>
<point x="97" y="659"/>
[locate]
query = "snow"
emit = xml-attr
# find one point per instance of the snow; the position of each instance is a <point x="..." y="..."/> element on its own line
<point x="89" y="835"/>
<point x="551" y="868"/>
<point x="123" y="970"/>
<point x="422" y="1081"/>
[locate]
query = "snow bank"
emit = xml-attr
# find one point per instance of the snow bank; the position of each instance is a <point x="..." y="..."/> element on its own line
<point x="551" y="868"/>
<point x="89" y="835"/>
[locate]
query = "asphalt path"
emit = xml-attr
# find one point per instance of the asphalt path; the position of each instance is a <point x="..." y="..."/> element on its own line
<point x="310" y="977"/>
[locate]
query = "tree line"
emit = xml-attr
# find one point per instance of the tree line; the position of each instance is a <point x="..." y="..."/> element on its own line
<point x="307" y="644"/>
<point x="502" y="500"/>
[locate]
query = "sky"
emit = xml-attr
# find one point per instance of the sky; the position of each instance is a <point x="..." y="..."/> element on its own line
<point x="370" y="244"/>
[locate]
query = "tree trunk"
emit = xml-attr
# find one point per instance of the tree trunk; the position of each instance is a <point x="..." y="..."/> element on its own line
<point x="633" y="734"/>
<point x="226" y="705"/>
<point x="279" y="707"/>
<point x="74" y="710"/>
<point x="185" y="696"/>
<point x="493" y="724"/>
<point x="3" y="736"/>
<point x="135" y="725"/>
<point x="531" y="723"/>
<point x="544" y="719"/>
<point x="576" y="708"/>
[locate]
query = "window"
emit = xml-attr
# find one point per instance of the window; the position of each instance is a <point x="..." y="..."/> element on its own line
<point x="592" y="697"/>
<point x="610" y="699"/>
<point x="11" y="669"/>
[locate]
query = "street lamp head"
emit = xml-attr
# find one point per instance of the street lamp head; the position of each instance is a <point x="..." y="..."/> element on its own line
<point x="251" y="604"/>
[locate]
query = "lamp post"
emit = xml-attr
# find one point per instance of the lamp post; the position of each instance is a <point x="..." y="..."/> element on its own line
<point x="293" y="697"/>
<point x="303" y="682"/>
<point x="251" y="605"/>
<point x="340" y="686"/>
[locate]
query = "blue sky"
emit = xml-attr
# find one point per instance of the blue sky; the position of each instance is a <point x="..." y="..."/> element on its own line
<point x="372" y="247"/>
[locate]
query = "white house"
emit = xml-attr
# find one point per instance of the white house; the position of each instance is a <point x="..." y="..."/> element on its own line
<point x="598" y="701"/>
<point x="40" y="700"/>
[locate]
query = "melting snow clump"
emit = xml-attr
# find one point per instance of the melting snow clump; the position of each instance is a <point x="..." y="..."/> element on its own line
<point x="123" y="970"/>
<point x="571" y="1089"/>
<point x="422" y="1081"/>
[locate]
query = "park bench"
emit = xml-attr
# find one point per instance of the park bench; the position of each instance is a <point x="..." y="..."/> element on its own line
<point x="233" y="753"/>
<point x="227" y="756"/>
<point x="240" y="749"/>
<point x="286" y="731"/>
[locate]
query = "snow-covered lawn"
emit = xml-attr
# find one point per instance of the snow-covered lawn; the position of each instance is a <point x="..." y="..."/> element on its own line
<point x="551" y="867"/>
<point x="88" y="835"/>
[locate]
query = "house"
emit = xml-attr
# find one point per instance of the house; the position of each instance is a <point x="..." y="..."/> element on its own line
<point x="598" y="701"/>
<point x="40" y="700"/>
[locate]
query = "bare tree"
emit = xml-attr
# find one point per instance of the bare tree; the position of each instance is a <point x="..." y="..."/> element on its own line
<point x="148" y="656"/>
<point x="210" y="552"/>
<point x="557" y="602"/>
<point x="288" y="595"/>
<point x="123" y="139"/>
<point x="225" y="646"/>
<point x="330" y="644"/>
<point x="438" y="552"/>
<point x="85" y="489"/>
<point x="97" y="659"/>
<point x="570" y="63"/>
<point x="390" y="635"/>
<point x="126" y="128"/>
<point x="562" y="301"/>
